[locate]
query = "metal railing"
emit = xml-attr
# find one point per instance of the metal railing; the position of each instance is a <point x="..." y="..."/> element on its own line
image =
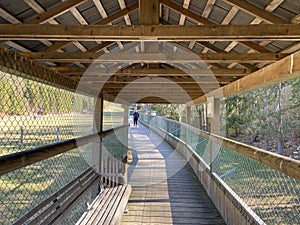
<point x="268" y="183"/>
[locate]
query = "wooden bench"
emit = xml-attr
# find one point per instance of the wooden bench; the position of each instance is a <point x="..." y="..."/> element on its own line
<point x="112" y="201"/>
<point x="108" y="207"/>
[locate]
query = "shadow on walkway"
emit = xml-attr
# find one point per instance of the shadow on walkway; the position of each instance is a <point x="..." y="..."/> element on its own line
<point x="165" y="189"/>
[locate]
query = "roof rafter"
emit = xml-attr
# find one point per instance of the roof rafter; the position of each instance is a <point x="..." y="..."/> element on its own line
<point x="200" y="19"/>
<point x="256" y="11"/>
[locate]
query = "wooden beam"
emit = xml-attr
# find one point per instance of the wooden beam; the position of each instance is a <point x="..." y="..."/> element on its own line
<point x="154" y="80"/>
<point x="89" y="57"/>
<point x="12" y="162"/>
<point x="149" y="12"/>
<point x="283" y="70"/>
<point x="150" y="32"/>
<point x="153" y="72"/>
<point x="256" y="11"/>
<point x="155" y="85"/>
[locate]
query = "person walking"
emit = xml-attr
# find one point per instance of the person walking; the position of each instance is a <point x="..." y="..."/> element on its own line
<point x="135" y="117"/>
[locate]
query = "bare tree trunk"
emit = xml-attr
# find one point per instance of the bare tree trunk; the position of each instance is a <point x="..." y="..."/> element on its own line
<point x="267" y="127"/>
<point x="280" y="122"/>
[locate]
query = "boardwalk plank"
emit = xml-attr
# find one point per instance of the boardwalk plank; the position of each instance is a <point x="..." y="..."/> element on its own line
<point x="164" y="188"/>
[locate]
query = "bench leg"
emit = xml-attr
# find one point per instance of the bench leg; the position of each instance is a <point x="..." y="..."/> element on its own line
<point x="126" y="210"/>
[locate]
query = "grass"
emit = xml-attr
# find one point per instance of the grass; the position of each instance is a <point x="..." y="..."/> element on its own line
<point x="273" y="196"/>
<point x="23" y="189"/>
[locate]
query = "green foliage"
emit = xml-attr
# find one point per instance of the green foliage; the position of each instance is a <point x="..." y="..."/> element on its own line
<point x="269" y="112"/>
<point x="172" y="111"/>
<point x="24" y="97"/>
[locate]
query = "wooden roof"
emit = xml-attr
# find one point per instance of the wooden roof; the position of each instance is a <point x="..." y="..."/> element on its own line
<point x="157" y="51"/>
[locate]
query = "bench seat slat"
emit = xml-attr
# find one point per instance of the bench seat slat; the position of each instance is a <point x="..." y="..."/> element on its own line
<point x="109" y="207"/>
<point x="102" y="202"/>
<point x="119" y="206"/>
<point x="105" y="213"/>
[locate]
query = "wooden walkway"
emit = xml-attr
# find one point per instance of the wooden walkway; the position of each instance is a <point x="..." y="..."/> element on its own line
<point x="164" y="188"/>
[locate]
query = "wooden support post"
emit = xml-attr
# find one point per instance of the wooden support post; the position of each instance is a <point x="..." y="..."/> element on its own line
<point x="126" y="117"/>
<point x="149" y="15"/>
<point x="214" y="118"/>
<point x="98" y="127"/>
<point x="149" y="12"/>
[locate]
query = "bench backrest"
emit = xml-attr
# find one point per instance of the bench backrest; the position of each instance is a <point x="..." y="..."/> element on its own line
<point x="53" y="209"/>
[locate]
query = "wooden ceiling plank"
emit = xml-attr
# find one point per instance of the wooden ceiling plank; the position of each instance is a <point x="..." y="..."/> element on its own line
<point x="292" y="48"/>
<point x="100" y="8"/>
<point x="186" y="12"/>
<point x="17" y="46"/>
<point x="35" y="6"/>
<point x="296" y="19"/>
<point x="56" y="11"/>
<point x="7" y="16"/>
<point x="186" y="4"/>
<point x="231" y="14"/>
<point x="112" y="18"/>
<point x="273" y="5"/>
<point x="208" y="8"/>
<point x="256" y="11"/>
<point x="126" y="17"/>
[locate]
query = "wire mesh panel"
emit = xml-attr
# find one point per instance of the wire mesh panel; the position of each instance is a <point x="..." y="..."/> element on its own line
<point x="273" y="196"/>
<point x="39" y="108"/>
<point x="34" y="114"/>
<point x="23" y="189"/>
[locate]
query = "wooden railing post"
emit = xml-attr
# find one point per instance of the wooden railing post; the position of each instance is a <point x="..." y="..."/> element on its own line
<point x="98" y="127"/>
<point x="214" y="117"/>
<point x="125" y="133"/>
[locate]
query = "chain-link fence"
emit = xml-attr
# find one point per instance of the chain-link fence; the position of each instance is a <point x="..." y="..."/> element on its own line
<point x="37" y="113"/>
<point x="34" y="114"/>
<point x="273" y="196"/>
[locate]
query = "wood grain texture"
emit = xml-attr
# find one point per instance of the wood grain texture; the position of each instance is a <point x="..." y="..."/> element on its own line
<point x="164" y="188"/>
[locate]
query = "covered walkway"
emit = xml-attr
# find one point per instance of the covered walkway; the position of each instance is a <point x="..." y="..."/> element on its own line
<point x="165" y="190"/>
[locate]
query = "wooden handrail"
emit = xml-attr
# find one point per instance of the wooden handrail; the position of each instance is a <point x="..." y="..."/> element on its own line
<point x="283" y="164"/>
<point x="19" y="160"/>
